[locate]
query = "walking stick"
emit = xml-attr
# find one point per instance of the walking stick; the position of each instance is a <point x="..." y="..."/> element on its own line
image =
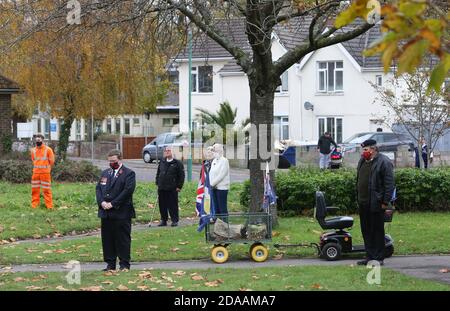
<point x="154" y="209"/>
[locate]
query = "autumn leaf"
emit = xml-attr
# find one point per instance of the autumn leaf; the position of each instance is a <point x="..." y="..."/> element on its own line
<point x="316" y="286"/>
<point x="145" y="275"/>
<point x="278" y="257"/>
<point x="179" y="273"/>
<point x="19" y="279"/>
<point x="142" y="287"/>
<point x="175" y="249"/>
<point x="197" y="278"/>
<point x="32" y="287"/>
<point x="61" y="288"/>
<point x="212" y="284"/>
<point x="122" y="287"/>
<point x="92" y="289"/>
<point x="183" y="243"/>
<point x="444" y="270"/>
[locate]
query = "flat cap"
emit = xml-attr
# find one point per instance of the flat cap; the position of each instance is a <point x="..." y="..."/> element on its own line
<point x="369" y="142"/>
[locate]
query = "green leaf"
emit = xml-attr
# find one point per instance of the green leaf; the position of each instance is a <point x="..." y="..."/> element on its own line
<point x="412" y="56"/>
<point x="439" y="74"/>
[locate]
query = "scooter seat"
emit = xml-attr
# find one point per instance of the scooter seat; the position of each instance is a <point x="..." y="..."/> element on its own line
<point x="340" y="222"/>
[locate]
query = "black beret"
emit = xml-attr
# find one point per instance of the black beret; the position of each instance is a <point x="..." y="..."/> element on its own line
<point x="369" y="142"/>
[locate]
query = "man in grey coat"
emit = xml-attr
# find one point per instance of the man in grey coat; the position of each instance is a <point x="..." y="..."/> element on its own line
<point x="375" y="187"/>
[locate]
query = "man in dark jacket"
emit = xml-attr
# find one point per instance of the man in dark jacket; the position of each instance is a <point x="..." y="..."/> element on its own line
<point x="170" y="180"/>
<point x="375" y="187"/>
<point x="115" y="208"/>
<point x="324" y="147"/>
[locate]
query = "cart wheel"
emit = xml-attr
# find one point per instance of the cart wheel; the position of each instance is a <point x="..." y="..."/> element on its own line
<point x="389" y="251"/>
<point x="219" y="254"/>
<point x="253" y="246"/>
<point x="259" y="252"/>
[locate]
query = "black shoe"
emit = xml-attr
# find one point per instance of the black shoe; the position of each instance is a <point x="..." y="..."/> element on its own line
<point x="162" y="223"/>
<point x="174" y="224"/>
<point x="107" y="269"/>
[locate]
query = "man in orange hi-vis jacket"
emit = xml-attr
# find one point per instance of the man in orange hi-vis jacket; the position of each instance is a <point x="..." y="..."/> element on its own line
<point x="43" y="159"/>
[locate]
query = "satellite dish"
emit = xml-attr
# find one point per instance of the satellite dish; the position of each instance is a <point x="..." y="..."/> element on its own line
<point x="308" y="106"/>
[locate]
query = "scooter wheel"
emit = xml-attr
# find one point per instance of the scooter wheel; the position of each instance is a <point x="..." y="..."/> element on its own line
<point x="389" y="251"/>
<point x="219" y="254"/>
<point x="331" y="251"/>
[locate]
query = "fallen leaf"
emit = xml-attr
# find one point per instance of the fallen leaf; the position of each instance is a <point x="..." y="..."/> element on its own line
<point x="243" y="289"/>
<point x="179" y="289"/>
<point x="131" y="282"/>
<point x="150" y="205"/>
<point x="142" y="287"/>
<point x="19" y="279"/>
<point x="179" y="273"/>
<point x="444" y="270"/>
<point x="316" y="286"/>
<point x="32" y="287"/>
<point x="183" y="243"/>
<point x="47" y="251"/>
<point x="255" y="277"/>
<point x="91" y="289"/>
<point x="212" y="284"/>
<point x="145" y="275"/>
<point x="278" y="257"/>
<point x="122" y="287"/>
<point x="175" y="249"/>
<point x="197" y="278"/>
<point x="61" y="288"/>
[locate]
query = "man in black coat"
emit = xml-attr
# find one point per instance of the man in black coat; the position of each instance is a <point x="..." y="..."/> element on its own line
<point x="115" y="209"/>
<point x="324" y="147"/>
<point x="375" y="187"/>
<point x="170" y="180"/>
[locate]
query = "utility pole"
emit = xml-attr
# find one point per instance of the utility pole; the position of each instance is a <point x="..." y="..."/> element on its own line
<point x="189" y="160"/>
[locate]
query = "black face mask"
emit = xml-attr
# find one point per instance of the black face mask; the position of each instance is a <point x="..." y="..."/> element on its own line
<point x="39" y="143"/>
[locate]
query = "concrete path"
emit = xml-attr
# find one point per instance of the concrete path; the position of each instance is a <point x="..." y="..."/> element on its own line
<point x="425" y="267"/>
<point x="147" y="171"/>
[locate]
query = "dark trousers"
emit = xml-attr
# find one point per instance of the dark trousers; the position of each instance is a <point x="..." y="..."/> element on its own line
<point x="219" y="201"/>
<point x="372" y="229"/>
<point x="425" y="160"/>
<point x="116" y="242"/>
<point x="168" y="205"/>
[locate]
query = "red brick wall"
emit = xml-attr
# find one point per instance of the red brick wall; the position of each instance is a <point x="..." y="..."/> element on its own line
<point x="5" y="115"/>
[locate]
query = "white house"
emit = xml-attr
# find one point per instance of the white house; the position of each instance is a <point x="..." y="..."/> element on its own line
<point x="332" y="83"/>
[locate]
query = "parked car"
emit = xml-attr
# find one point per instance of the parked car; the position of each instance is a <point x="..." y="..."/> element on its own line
<point x="387" y="142"/>
<point x="155" y="148"/>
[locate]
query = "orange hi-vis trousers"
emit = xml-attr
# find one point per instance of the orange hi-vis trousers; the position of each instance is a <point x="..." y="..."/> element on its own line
<point x="43" y="181"/>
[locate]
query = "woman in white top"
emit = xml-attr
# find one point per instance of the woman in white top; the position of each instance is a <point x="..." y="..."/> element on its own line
<point x="219" y="179"/>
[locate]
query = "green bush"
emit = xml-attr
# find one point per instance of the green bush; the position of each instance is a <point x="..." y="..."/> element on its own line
<point x="417" y="190"/>
<point x="74" y="171"/>
<point x="16" y="155"/>
<point x="20" y="171"/>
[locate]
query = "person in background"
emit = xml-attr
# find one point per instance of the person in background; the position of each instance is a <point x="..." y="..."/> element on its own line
<point x="43" y="159"/>
<point x="324" y="147"/>
<point x="170" y="180"/>
<point x="424" y="147"/>
<point x="219" y="178"/>
<point x="114" y="194"/>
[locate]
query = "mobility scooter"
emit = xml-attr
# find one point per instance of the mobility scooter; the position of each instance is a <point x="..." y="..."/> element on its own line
<point x="338" y="241"/>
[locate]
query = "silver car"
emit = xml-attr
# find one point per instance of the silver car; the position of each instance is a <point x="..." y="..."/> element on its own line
<point x="155" y="148"/>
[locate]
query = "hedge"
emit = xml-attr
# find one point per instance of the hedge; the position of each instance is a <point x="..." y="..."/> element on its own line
<point x="417" y="190"/>
<point x="19" y="171"/>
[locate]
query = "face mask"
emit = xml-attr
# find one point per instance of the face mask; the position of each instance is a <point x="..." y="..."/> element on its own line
<point x="114" y="165"/>
<point x="39" y="143"/>
<point x="366" y="155"/>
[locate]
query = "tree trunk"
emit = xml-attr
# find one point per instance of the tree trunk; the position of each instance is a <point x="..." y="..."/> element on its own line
<point x="64" y="136"/>
<point x="261" y="113"/>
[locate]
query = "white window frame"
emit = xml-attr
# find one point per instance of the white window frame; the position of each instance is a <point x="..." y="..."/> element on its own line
<point x="195" y="72"/>
<point x="379" y="80"/>
<point x="324" y="71"/>
<point x="282" y="121"/>
<point x="326" y="129"/>
<point x="137" y="124"/>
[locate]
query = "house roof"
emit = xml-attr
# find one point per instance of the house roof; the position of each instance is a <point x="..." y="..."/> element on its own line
<point x="8" y="85"/>
<point x="290" y="34"/>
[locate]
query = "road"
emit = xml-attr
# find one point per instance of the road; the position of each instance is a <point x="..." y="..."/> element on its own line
<point x="147" y="171"/>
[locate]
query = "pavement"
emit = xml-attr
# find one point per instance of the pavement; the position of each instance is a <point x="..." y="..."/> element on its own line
<point x="147" y="171"/>
<point x="424" y="267"/>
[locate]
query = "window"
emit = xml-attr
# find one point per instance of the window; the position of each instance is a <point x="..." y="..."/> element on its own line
<point x="202" y="79"/>
<point x="117" y="126"/>
<point x="330" y="76"/>
<point x="127" y="126"/>
<point x="108" y="126"/>
<point x="78" y="129"/>
<point x="379" y="80"/>
<point x="167" y="122"/>
<point x="283" y="123"/>
<point x="333" y="125"/>
<point x="46" y="125"/>
<point x="136" y="121"/>
<point x="284" y="87"/>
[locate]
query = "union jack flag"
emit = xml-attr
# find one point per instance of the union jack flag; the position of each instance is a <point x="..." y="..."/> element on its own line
<point x="203" y="206"/>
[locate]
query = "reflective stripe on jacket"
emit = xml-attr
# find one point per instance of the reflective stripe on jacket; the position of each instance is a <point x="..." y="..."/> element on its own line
<point x="43" y="159"/>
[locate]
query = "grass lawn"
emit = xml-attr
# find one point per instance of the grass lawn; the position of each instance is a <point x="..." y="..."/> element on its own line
<point x="414" y="233"/>
<point x="345" y="278"/>
<point x="75" y="208"/>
